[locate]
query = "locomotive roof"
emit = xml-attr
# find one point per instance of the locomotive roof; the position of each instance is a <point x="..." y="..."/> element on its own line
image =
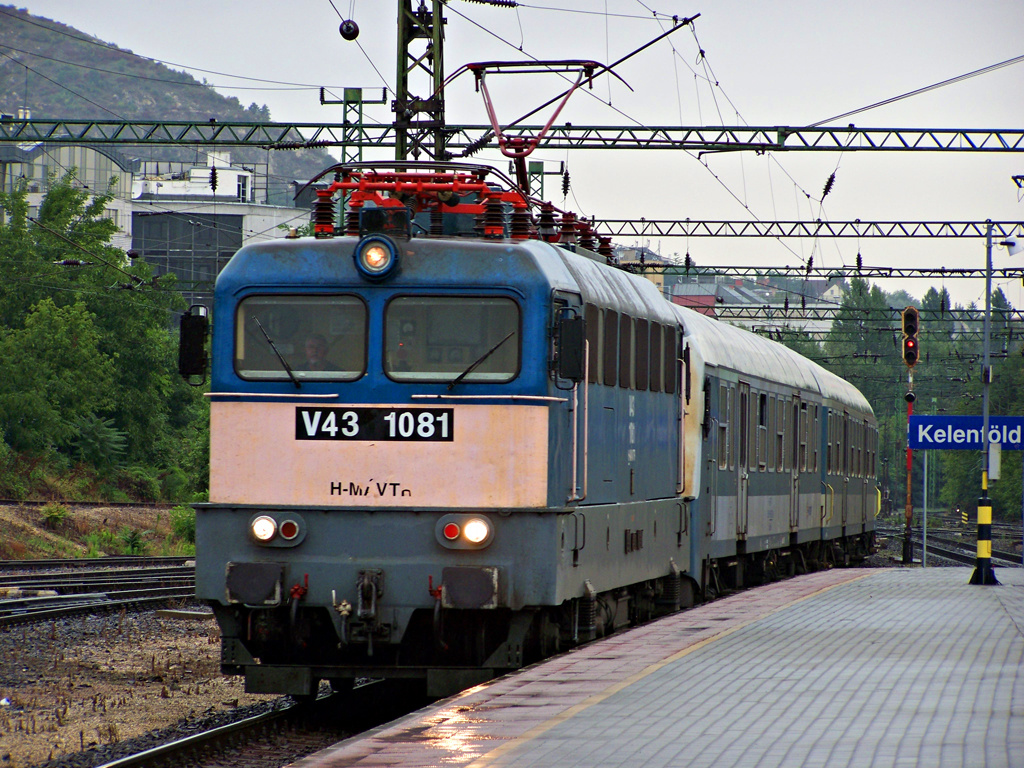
<point x="727" y="346"/>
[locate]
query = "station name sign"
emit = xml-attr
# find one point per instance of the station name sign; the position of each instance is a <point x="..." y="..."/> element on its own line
<point x="963" y="433"/>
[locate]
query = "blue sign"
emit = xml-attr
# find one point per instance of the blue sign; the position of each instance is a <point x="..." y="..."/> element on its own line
<point x="963" y="433"/>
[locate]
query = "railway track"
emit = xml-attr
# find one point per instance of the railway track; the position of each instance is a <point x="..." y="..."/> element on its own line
<point x="284" y="734"/>
<point x="962" y="551"/>
<point x="129" y="585"/>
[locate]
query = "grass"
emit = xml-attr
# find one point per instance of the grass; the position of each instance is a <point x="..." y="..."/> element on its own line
<point x="59" y="531"/>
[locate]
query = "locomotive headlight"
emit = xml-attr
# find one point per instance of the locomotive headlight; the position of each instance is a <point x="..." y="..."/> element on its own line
<point x="458" y="530"/>
<point x="376" y="257"/>
<point x="263" y="528"/>
<point x="476" y="530"/>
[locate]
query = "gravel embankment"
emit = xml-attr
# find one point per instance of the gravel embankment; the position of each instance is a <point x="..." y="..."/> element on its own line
<point x="85" y="690"/>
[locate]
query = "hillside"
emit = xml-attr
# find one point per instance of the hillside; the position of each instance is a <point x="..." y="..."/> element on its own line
<point x="59" y="72"/>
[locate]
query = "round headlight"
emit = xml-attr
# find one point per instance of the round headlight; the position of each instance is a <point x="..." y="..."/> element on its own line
<point x="376" y="257"/>
<point x="264" y="528"/>
<point x="476" y="530"/>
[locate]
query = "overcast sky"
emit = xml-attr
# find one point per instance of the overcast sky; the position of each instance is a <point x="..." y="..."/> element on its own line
<point x="783" y="63"/>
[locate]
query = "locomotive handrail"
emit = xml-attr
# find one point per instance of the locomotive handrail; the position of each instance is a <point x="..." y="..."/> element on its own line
<point x="831" y="507"/>
<point x="574" y="496"/>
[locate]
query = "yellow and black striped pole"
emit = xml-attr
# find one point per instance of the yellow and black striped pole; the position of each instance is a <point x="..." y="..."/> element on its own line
<point x="983" y="568"/>
<point x="983" y="573"/>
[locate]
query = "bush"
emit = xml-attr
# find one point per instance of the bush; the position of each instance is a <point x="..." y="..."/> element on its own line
<point x="132" y="541"/>
<point x="183" y="523"/>
<point x="173" y="484"/>
<point x="54" y="516"/>
<point x="141" y="483"/>
<point x="99" y="543"/>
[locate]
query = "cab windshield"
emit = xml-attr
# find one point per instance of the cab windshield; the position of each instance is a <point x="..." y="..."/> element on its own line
<point x="440" y="339"/>
<point x="321" y="338"/>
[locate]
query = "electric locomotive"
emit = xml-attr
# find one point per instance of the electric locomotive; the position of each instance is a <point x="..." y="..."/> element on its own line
<point x="448" y="438"/>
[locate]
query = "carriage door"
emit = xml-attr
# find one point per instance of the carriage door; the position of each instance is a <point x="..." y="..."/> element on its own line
<point x="743" y="457"/>
<point x="794" y="457"/>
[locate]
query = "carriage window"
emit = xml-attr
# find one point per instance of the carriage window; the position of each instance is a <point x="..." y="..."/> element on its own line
<point x="828" y="444"/>
<point x="815" y="441"/>
<point x="780" y="435"/>
<point x="626" y="352"/>
<point x="670" y="350"/>
<point x="844" y="442"/>
<point x="769" y="455"/>
<point x="803" y="437"/>
<point x="762" y="432"/>
<point x="657" y="356"/>
<point x="743" y="423"/>
<point x="322" y="338"/>
<point x="723" y="427"/>
<point x="643" y="354"/>
<point x="439" y="338"/>
<point x="611" y="347"/>
<point x="593" y="344"/>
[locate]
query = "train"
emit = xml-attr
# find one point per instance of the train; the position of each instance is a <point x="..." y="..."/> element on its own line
<point x="450" y="435"/>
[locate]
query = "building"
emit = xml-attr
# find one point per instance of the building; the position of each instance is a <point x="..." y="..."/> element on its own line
<point x="189" y="219"/>
<point x="97" y="169"/>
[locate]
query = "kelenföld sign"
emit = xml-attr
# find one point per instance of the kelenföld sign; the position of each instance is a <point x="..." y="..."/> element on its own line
<point x="963" y="433"/>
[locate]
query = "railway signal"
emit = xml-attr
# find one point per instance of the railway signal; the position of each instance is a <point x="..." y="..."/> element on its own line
<point x="911" y="326"/>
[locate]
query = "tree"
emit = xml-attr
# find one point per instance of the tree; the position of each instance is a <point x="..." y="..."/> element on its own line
<point x="52" y="374"/>
<point x="90" y="358"/>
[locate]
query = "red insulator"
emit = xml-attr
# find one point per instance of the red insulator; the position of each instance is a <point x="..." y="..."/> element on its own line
<point x="323" y="213"/>
<point x="522" y="225"/>
<point x="491" y="222"/>
<point x="604" y="247"/>
<point x="568" y="234"/>
<point x="546" y="227"/>
<point x="586" y="235"/>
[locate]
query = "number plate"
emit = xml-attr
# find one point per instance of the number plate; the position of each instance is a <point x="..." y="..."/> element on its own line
<point x="374" y="424"/>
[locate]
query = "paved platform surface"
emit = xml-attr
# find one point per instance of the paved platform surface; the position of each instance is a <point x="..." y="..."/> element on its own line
<point x="900" y="667"/>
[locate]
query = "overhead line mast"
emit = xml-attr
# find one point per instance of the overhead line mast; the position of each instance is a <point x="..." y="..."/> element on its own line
<point x="414" y="136"/>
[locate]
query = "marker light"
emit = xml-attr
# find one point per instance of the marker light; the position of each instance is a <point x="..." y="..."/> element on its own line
<point x="376" y="257"/>
<point x="476" y="530"/>
<point x="264" y="528"/>
<point x="451" y="531"/>
<point x="289" y="529"/>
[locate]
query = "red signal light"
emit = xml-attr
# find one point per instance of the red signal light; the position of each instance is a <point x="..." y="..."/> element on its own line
<point x="451" y="531"/>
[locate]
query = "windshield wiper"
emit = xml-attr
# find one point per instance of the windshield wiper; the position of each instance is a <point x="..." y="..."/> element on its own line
<point x="479" y="360"/>
<point x="280" y="357"/>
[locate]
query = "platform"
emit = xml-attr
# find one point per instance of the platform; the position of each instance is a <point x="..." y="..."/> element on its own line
<point x="894" y="667"/>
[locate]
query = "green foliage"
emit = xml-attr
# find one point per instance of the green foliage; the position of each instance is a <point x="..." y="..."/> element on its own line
<point x="54" y="516"/>
<point x="88" y="364"/>
<point x="183" y="523"/>
<point x="52" y="375"/>
<point x="140" y="483"/>
<point x="132" y="541"/>
<point x="99" y="442"/>
<point x="100" y="543"/>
